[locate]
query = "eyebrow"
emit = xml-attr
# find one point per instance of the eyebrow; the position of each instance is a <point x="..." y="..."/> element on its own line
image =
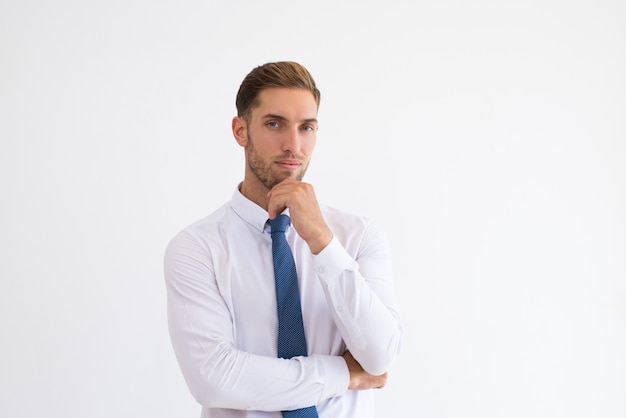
<point x="279" y="117"/>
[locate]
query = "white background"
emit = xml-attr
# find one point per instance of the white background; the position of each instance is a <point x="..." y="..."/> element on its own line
<point x="488" y="137"/>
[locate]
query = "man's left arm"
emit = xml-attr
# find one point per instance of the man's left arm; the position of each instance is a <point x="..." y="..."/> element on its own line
<point x="358" y="285"/>
<point x="362" y="300"/>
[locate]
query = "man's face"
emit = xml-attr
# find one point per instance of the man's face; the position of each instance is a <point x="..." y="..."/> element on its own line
<point x="281" y="135"/>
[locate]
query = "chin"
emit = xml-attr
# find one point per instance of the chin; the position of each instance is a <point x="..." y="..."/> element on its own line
<point x="290" y="175"/>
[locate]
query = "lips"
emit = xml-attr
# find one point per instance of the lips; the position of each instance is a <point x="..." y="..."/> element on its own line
<point x="289" y="164"/>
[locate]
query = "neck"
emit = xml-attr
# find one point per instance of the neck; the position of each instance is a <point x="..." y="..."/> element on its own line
<point x="255" y="192"/>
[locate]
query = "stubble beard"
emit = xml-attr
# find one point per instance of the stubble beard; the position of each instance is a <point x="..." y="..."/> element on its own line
<point x="262" y="170"/>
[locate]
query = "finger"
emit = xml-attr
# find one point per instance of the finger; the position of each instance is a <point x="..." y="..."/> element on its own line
<point x="275" y="207"/>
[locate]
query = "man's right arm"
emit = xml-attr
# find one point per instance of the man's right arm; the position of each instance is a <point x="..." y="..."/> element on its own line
<point x="217" y="373"/>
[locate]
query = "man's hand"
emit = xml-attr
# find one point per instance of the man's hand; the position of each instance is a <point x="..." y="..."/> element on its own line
<point x="304" y="211"/>
<point x="359" y="378"/>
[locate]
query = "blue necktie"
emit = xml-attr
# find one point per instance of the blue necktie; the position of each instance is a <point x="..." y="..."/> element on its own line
<point x="291" y="341"/>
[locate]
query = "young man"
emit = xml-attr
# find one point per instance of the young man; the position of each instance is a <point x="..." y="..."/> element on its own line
<point x="222" y="294"/>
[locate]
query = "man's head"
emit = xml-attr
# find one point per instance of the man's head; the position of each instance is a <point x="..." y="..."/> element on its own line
<point x="276" y="125"/>
<point x="287" y="74"/>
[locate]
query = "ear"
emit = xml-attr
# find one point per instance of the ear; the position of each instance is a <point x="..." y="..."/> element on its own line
<point x="240" y="131"/>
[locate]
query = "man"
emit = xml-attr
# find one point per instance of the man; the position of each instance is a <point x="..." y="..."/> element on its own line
<point x="222" y="294"/>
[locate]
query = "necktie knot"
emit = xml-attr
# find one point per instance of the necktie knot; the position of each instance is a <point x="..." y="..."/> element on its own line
<point x="279" y="223"/>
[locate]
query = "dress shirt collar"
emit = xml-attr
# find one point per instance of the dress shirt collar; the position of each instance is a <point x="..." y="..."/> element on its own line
<point x="249" y="211"/>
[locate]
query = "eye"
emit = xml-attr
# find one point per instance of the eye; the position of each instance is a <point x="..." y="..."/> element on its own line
<point x="309" y="128"/>
<point x="272" y="124"/>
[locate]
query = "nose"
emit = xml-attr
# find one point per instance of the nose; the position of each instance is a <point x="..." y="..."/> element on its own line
<point x="291" y="141"/>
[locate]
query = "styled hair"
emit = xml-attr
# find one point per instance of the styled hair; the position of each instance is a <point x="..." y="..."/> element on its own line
<point x="273" y="74"/>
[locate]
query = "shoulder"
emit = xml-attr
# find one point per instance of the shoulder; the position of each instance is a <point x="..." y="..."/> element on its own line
<point x="347" y="224"/>
<point x="201" y="230"/>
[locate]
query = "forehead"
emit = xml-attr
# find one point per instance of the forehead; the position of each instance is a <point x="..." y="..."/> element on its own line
<point x="287" y="102"/>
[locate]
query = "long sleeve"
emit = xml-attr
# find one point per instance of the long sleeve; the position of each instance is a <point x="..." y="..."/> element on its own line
<point x="360" y="294"/>
<point x="218" y="374"/>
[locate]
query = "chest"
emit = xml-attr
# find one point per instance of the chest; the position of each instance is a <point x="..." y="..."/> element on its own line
<point x="245" y="275"/>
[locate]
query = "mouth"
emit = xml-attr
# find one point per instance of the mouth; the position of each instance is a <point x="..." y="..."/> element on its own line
<point x="289" y="164"/>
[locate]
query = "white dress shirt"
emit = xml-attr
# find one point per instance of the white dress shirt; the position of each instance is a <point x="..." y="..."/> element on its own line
<point x="223" y="320"/>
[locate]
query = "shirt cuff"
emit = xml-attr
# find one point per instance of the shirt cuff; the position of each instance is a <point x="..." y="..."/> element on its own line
<point x="332" y="261"/>
<point x="336" y="375"/>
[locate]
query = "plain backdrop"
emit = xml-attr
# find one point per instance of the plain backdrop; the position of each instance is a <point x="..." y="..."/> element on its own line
<point x="488" y="137"/>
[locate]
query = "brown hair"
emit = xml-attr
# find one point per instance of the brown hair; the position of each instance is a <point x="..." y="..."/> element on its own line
<point x="273" y="74"/>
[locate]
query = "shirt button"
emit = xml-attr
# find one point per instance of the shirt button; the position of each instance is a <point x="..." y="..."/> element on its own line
<point x="321" y="269"/>
<point x="339" y="308"/>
